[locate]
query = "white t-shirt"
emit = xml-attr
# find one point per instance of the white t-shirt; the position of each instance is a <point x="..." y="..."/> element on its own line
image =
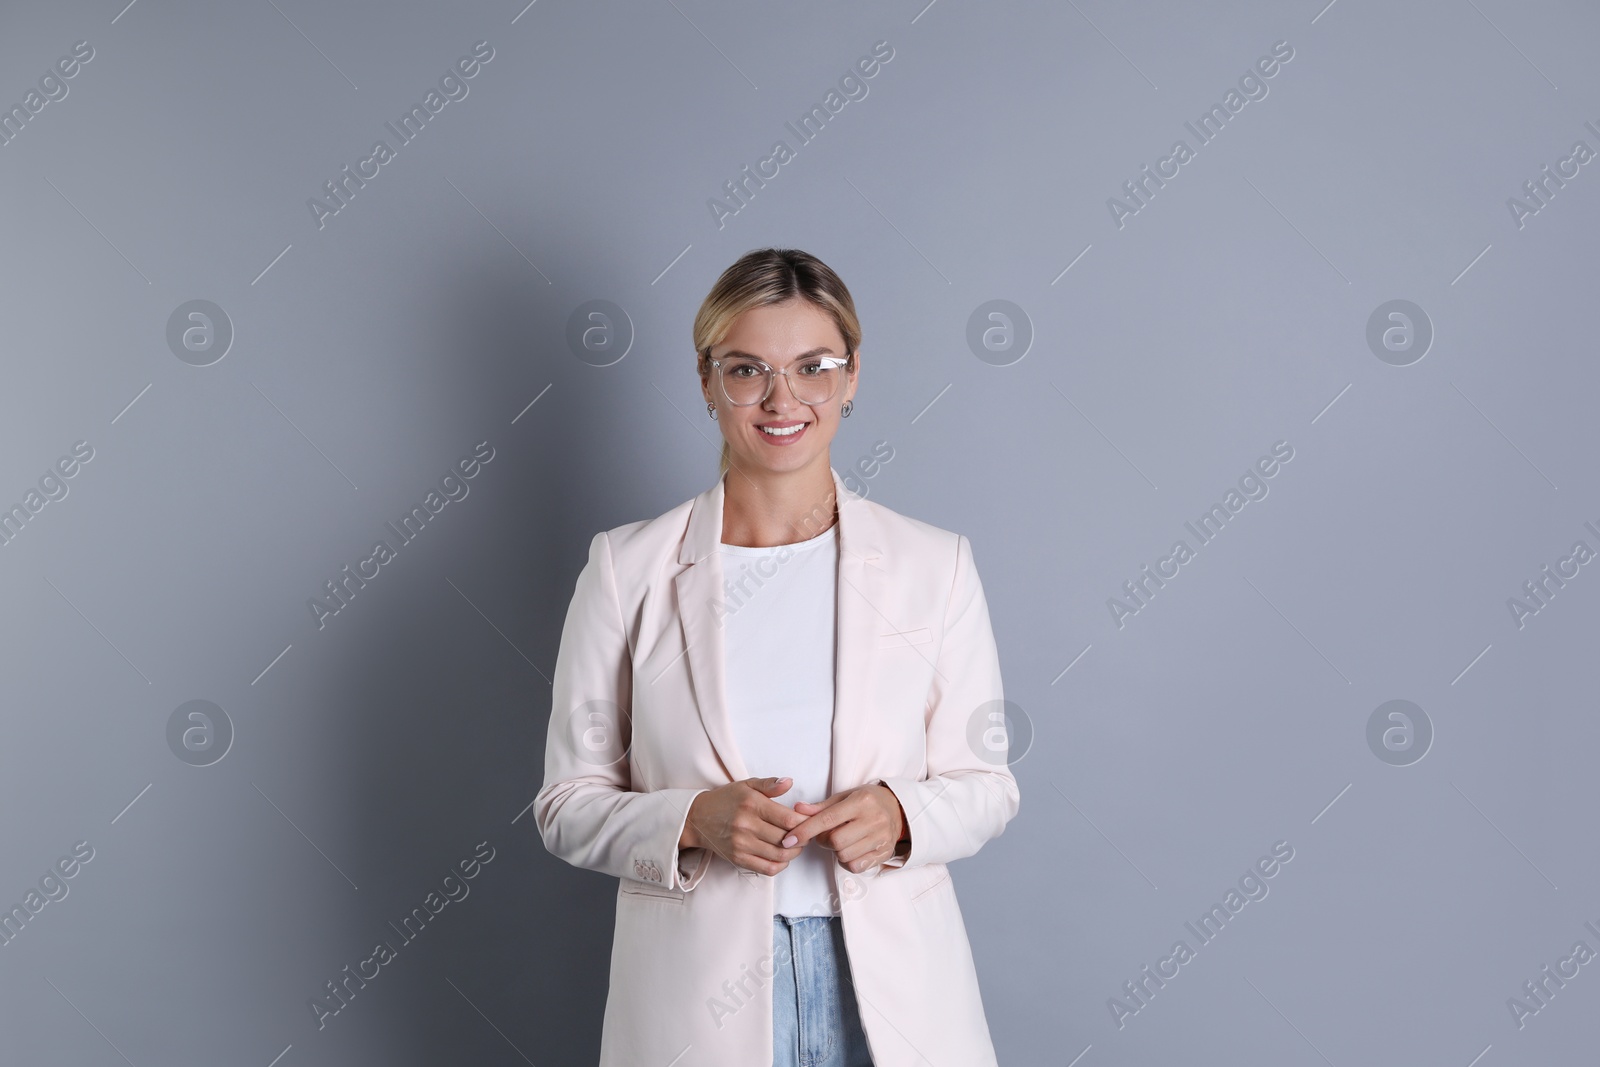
<point x="780" y="629"/>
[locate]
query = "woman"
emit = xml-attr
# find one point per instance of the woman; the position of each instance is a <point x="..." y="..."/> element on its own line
<point x="773" y="720"/>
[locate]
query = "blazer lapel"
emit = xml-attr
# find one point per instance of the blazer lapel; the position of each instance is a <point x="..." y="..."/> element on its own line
<point x="861" y="594"/>
<point x="701" y="605"/>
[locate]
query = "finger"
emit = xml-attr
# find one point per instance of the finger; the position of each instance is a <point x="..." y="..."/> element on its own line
<point x="808" y="809"/>
<point x="863" y="848"/>
<point x="826" y="819"/>
<point x="823" y="838"/>
<point x="855" y="818"/>
<point x="781" y="816"/>
<point x="844" y="806"/>
<point x="772" y="822"/>
<point x="753" y="844"/>
<point x="771" y="870"/>
<point x="766" y="850"/>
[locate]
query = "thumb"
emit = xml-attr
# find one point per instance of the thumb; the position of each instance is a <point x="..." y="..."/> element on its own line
<point x="772" y="787"/>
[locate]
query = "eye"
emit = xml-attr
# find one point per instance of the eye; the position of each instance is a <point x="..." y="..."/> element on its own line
<point x="744" y="370"/>
<point x="811" y="368"/>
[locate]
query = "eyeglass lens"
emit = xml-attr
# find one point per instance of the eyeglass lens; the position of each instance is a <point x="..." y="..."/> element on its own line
<point x="747" y="381"/>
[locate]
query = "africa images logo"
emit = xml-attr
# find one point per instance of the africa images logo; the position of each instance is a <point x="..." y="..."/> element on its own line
<point x="452" y="87"/>
<point x="342" y="589"/>
<point x="1253" y="86"/>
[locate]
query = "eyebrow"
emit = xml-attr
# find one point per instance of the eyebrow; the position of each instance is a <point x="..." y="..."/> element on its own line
<point x="735" y="353"/>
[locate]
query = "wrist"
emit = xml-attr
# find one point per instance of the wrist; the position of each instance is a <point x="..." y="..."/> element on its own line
<point x="904" y="834"/>
<point x="688" y="838"/>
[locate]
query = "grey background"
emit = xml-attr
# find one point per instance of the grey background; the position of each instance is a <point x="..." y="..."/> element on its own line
<point x="1228" y="314"/>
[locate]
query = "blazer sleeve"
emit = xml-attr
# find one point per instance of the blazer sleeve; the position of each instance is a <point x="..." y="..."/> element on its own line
<point x="587" y="811"/>
<point x="966" y="797"/>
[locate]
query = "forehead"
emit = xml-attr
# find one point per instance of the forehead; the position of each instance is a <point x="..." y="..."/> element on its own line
<point x="779" y="333"/>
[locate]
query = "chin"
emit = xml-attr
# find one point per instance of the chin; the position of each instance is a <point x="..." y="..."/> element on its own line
<point x="785" y="462"/>
<point x="767" y="457"/>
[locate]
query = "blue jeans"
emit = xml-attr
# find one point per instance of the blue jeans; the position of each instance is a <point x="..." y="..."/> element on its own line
<point x="815" y="1019"/>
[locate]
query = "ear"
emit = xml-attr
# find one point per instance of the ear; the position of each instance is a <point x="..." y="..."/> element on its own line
<point x="703" y="369"/>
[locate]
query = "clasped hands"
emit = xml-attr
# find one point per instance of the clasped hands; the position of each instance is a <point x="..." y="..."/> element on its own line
<point x="743" y="824"/>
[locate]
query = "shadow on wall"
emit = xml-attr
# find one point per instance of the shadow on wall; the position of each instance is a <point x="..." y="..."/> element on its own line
<point x="441" y="723"/>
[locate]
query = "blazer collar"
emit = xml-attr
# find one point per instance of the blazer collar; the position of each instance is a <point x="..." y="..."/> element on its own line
<point x="859" y="534"/>
<point x="864" y="590"/>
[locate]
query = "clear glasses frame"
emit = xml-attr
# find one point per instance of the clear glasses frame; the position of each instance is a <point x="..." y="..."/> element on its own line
<point x="771" y="373"/>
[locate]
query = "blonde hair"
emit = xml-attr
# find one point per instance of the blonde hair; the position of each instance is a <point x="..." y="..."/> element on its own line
<point x="766" y="276"/>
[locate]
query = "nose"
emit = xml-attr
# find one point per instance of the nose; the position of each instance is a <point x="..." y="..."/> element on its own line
<point x="782" y="396"/>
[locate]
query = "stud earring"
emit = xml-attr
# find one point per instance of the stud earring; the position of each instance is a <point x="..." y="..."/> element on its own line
<point x="849" y="405"/>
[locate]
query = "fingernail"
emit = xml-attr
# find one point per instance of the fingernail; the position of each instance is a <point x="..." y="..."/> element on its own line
<point x="789" y="841"/>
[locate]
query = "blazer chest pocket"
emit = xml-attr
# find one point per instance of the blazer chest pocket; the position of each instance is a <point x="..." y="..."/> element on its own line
<point x="902" y="638"/>
<point x="632" y="888"/>
<point x="935" y="875"/>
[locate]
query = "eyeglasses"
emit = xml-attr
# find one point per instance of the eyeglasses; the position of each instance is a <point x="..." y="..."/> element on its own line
<point x="813" y="380"/>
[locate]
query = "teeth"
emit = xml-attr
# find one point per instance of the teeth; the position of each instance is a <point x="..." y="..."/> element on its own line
<point x="786" y="432"/>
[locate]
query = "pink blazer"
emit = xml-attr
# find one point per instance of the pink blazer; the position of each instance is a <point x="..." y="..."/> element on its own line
<point x="639" y="725"/>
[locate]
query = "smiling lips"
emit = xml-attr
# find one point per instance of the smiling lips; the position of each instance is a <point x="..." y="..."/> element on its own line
<point x="782" y="433"/>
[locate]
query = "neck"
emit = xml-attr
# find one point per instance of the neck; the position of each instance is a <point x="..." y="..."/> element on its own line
<point x="762" y="508"/>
